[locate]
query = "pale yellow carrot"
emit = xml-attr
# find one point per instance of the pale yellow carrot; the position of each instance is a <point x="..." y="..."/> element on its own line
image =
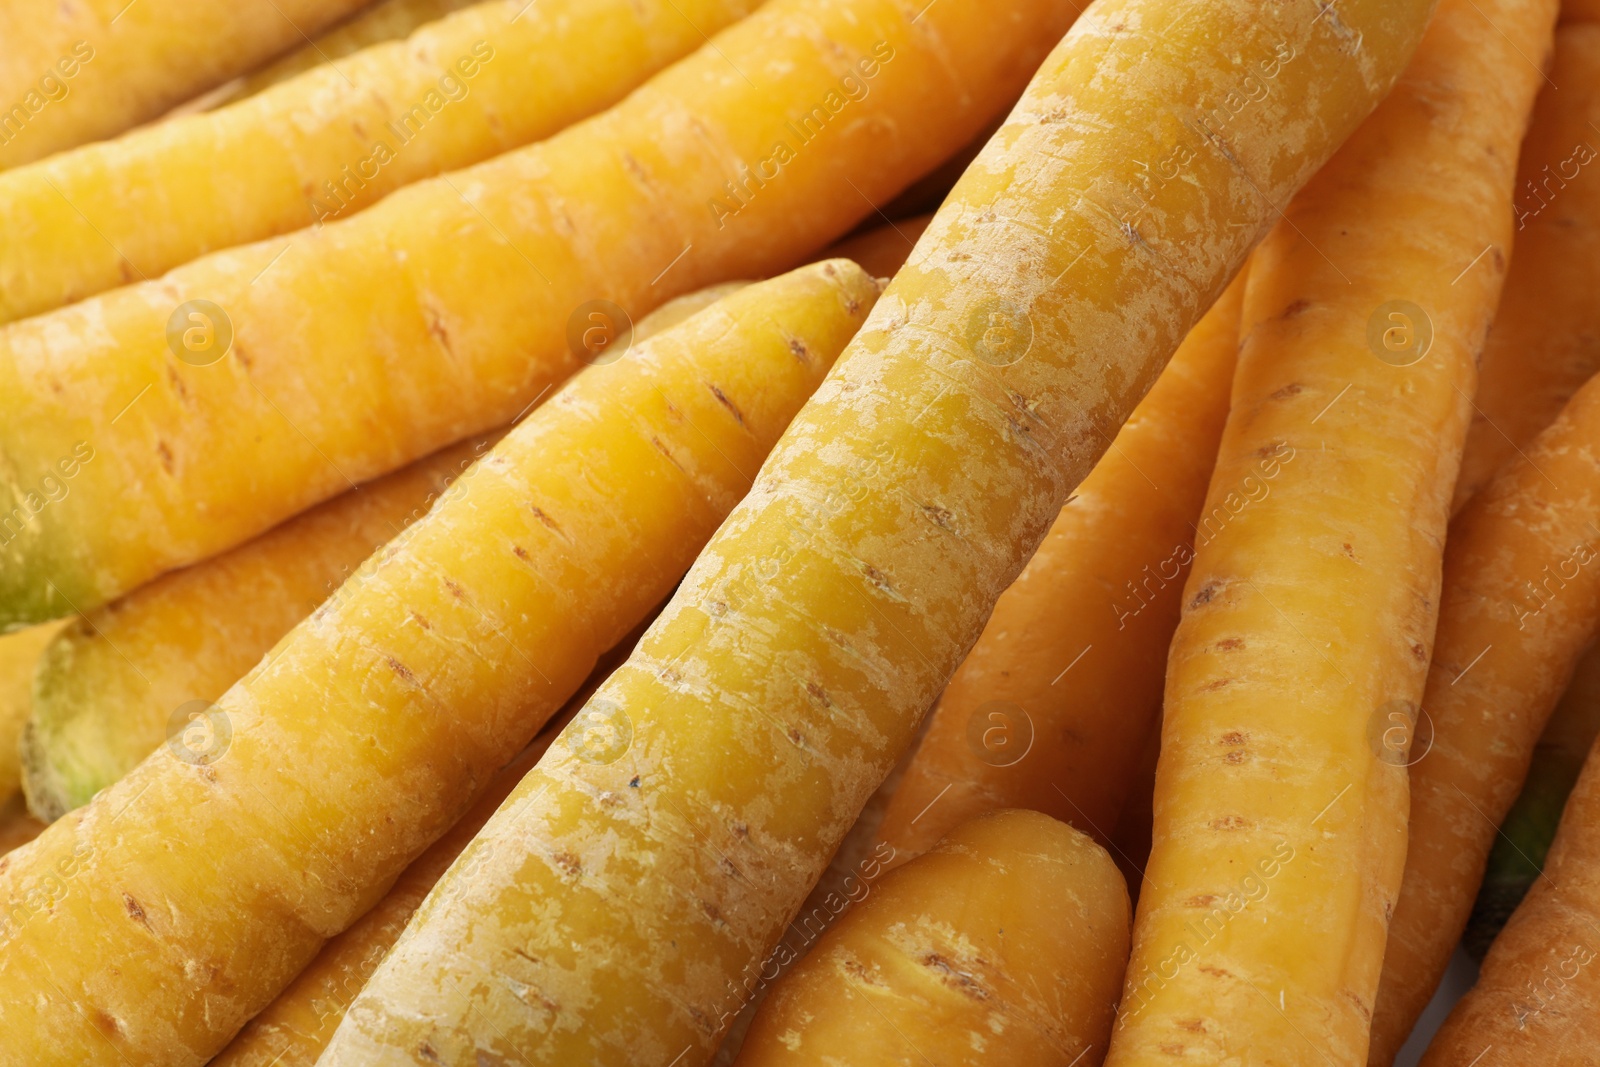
<point x="77" y="72"/>
<point x="789" y="671"/>
<point x="325" y="145"/>
<point x="1051" y="708"/>
<point x="224" y="861"/>
<point x="451" y="305"/>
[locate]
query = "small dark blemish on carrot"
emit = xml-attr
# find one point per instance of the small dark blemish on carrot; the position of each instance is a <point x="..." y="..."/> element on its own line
<point x="633" y="782"/>
<point x="569" y="863"/>
<point x="801" y="352"/>
<point x="1203" y="596"/>
<point x="819" y="694"/>
<point x="662" y="448"/>
<point x="539" y="513"/>
<point x="521" y="553"/>
<point x="1230" y="822"/>
<point x="1228" y="644"/>
<point x="1292" y="389"/>
<point x="402" y="670"/>
<point x="1298" y="307"/>
<point x="722" y="398"/>
<point x="455" y="590"/>
<point x="135" y="910"/>
<point x="166" y="455"/>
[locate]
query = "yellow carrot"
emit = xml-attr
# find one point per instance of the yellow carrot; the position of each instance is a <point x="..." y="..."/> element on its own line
<point x="1004" y="944"/>
<point x="1521" y="603"/>
<point x="72" y="73"/>
<point x="330" y="142"/>
<point x="791" y="667"/>
<point x="386" y="20"/>
<point x="293" y="1029"/>
<point x="1534" y="1002"/>
<point x="19" y="654"/>
<point x="451" y="305"/>
<point x="123" y="678"/>
<point x="120" y="681"/>
<point x="1542" y="348"/>
<point x="222" y="863"/>
<point x="1052" y="706"/>
<point x="1280" y="824"/>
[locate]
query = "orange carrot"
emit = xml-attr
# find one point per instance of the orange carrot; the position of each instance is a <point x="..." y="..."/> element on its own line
<point x="1280" y="828"/>
<point x="1521" y="602"/>
<point x="1542" y="345"/>
<point x="1537" y="1000"/>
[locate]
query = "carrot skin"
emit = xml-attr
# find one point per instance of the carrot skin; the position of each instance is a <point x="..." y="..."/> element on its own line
<point x="790" y="670"/>
<point x="386" y="20"/>
<point x="1542" y="345"/>
<point x="213" y="877"/>
<point x="108" y="686"/>
<point x="1004" y="943"/>
<point x="445" y="309"/>
<point x="1512" y="627"/>
<point x="76" y="73"/>
<point x="331" y="142"/>
<point x="1063" y="699"/>
<point x="1279" y="823"/>
<point x="1534" y="1002"/>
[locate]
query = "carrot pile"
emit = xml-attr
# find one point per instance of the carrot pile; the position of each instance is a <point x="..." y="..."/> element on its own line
<point x="759" y="532"/>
